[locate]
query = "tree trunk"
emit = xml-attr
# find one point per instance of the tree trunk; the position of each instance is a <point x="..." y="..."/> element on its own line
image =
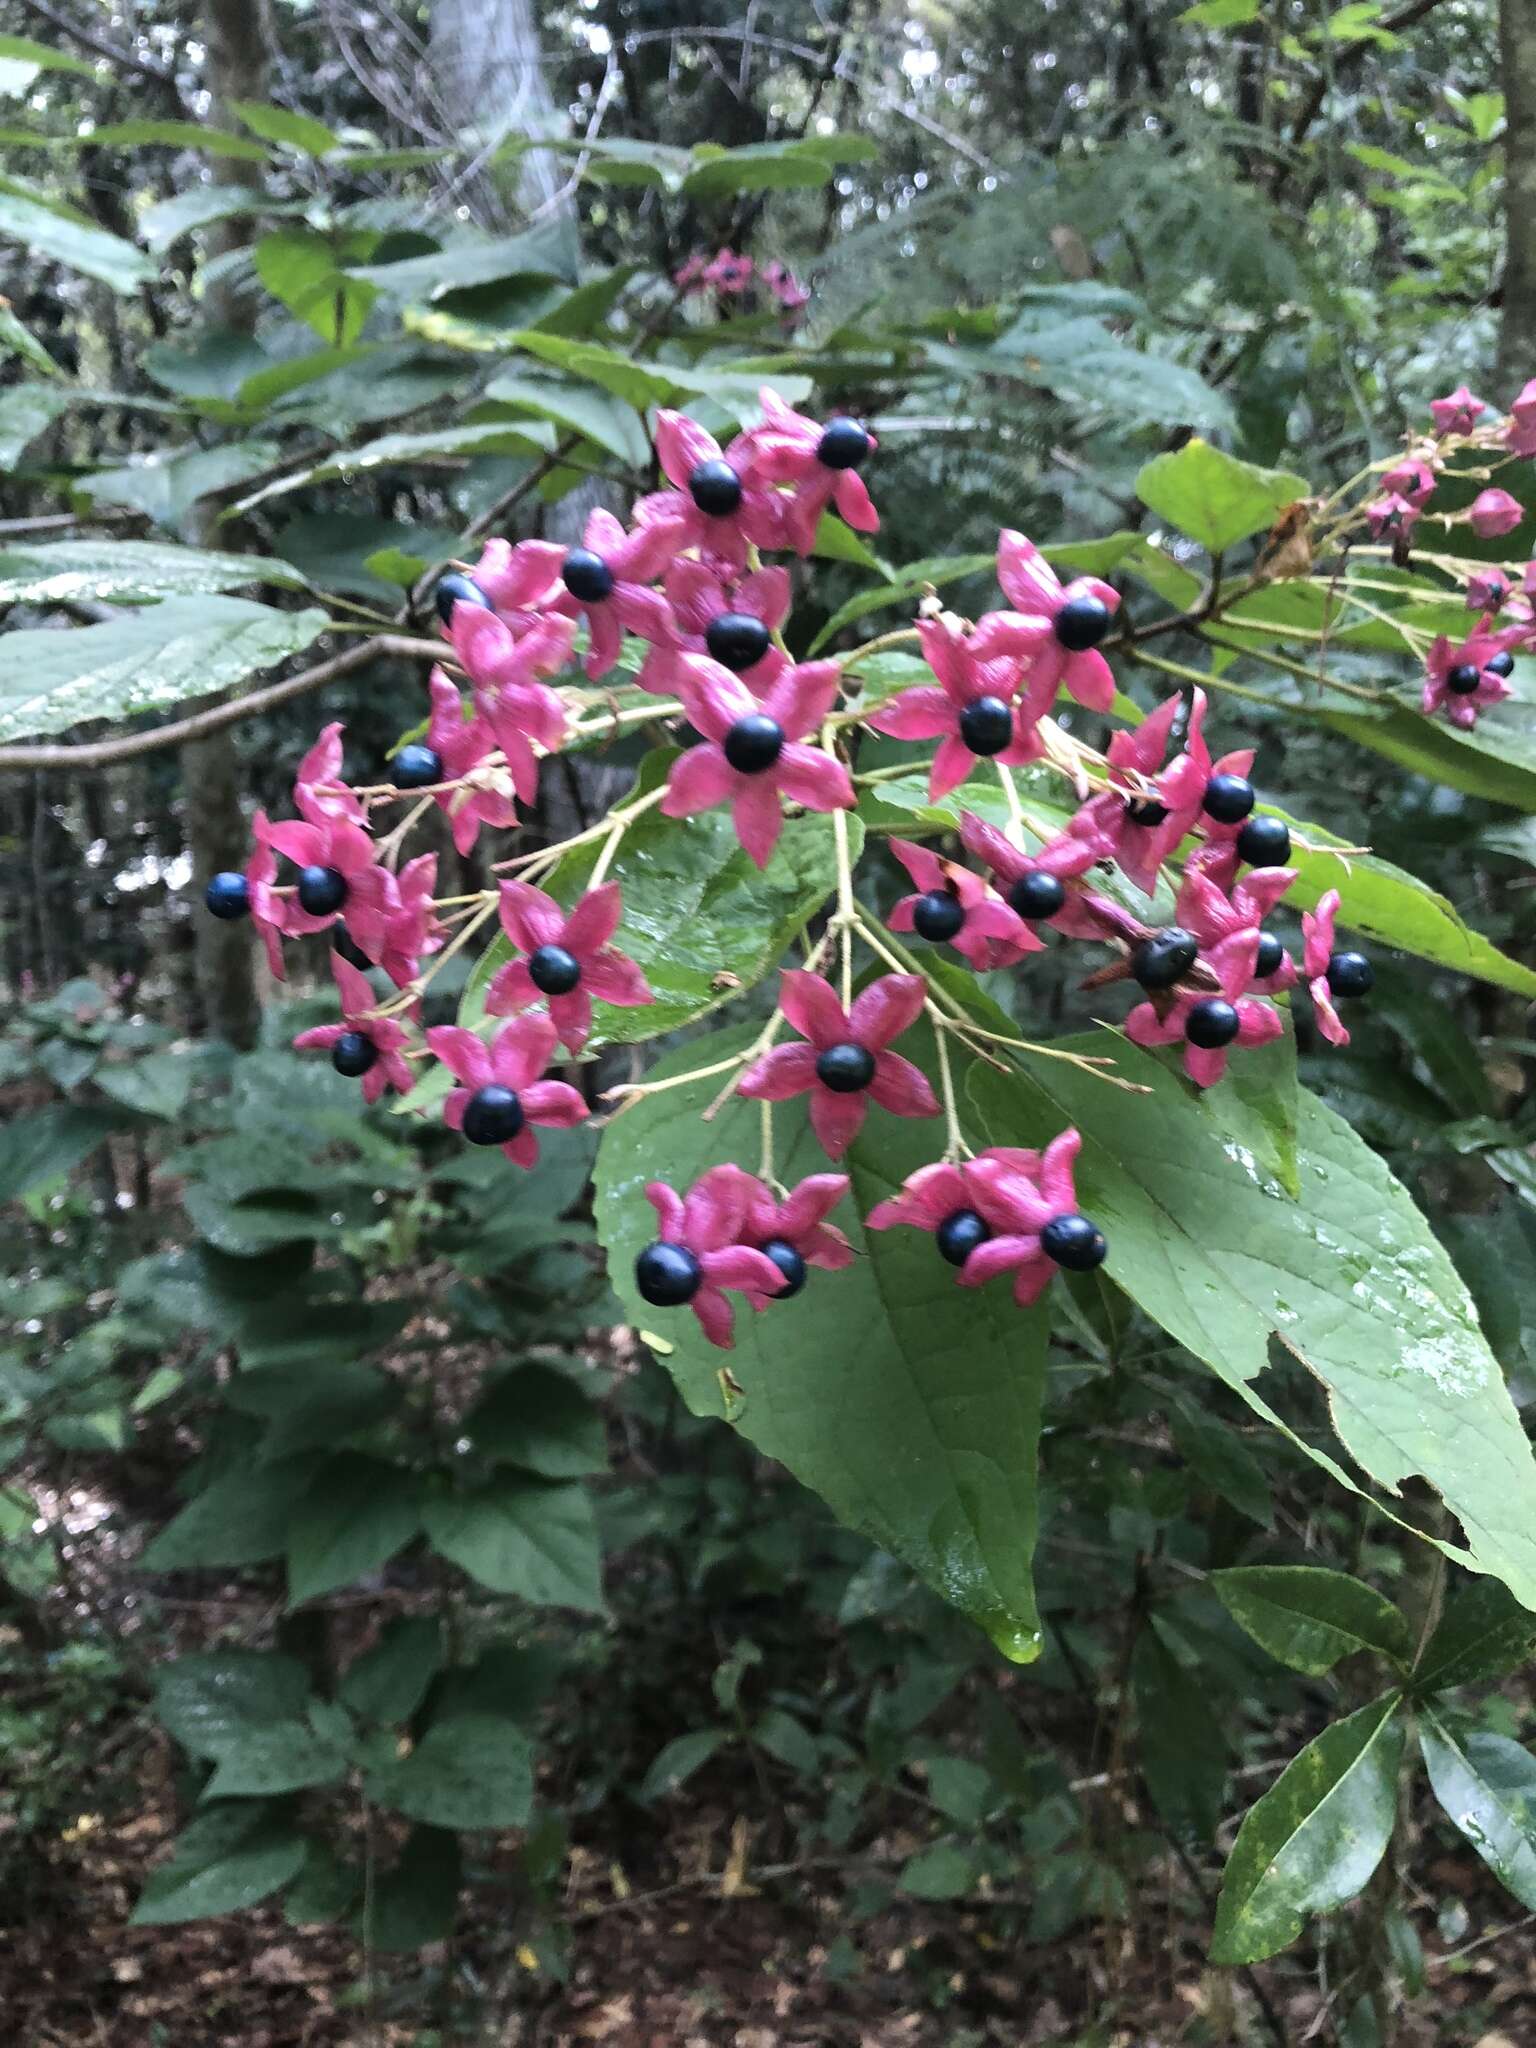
<point x="236" y="69"/>
<point x="1517" y="333"/>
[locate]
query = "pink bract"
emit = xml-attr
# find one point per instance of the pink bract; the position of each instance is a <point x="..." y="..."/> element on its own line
<point x="682" y="445"/>
<point x="1037" y="596"/>
<point x="1017" y="1193"/>
<point x="1232" y="961"/>
<point x="785" y="449"/>
<point x="697" y="596"/>
<point x="708" y="1221"/>
<point x="881" y="1013"/>
<point x="968" y="668"/>
<point x="992" y="935"/>
<point x="633" y="560"/>
<point x="387" y="1034"/>
<point x="515" y="1058"/>
<point x="1317" y="927"/>
<point x="531" y="920"/>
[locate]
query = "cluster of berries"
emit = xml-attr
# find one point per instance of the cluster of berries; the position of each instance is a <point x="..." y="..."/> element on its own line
<point x="686" y="578"/>
<point x="730" y="275"/>
<point x="1462" y="678"/>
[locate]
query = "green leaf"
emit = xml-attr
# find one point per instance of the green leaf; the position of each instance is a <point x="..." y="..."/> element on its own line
<point x="536" y="1418"/>
<point x="212" y="1701"/>
<point x="359" y="1512"/>
<point x="1219" y="1458"/>
<point x="167" y="482"/>
<point x="1222" y="13"/>
<point x="146" y="661"/>
<point x="469" y="1771"/>
<point x="299" y="267"/>
<point x="937" y="570"/>
<point x="45" y="56"/>
<point x="79" y="245"/>
<point x="542" y="252"/>
<point x="48" y="1142"/>
<point x="499" y="437"/>
<point x="240" y="1518"/>
<point x="155" y="1086"/>
<point x="599" y="416"/>
<point x="1484" y="1633"/>
<point x="944" y="1870"/>
<point x="1496" y="761"/>
<point x="1183" y="1750"/>
<point x="416" y="1902"/>
<point x="389" y="1681"/>
<point x="1313" y="1840"/>
<point x="1487" y="1785"/>
<point x="1348" y="1278"/>
<point x="26" y="411"/>
<point x="930" y="1445"/>
<point x="757" y="167"/>
<point x="283" y="126"/>
<point x="523" y="1536"/>
<point x="1309" y="1617"/>
<point x="1388" y="904"/>
<point x="128" y="571"/>
<point x="700" y="920"/>
<point x="181" y="135"/>
<point x="19" y="340"/>
<point x="229" y="1858"/>
<point x="1213" y="497"/>
<point x="674" y="1765"/>
<point x="280" y="1756"/>
<point x="166" y="222"/>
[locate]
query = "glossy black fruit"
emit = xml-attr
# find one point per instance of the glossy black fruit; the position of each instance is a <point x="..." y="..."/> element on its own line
<point x="959" y="1234"/>
<point x="1349" y="975"/>
<point x="1264" y="843"/>
<point x="1038" y="895"/>
<point x="986" y="725"/>
<point x="1082" y="623"/>
<point x="737" y="641"/>
<point x="321" y="891"/>
<point x="789" y="1263"/>
<point x="754" y="743"/>
<point x="553" y="971"/>
<point x="457" y="589"/>
<point x="493" y="1115"/>
<point x="715" y="488"/>
<point x="1270" y="957"/>
<point x="667" y="1275"/>
<point x="1500" y="664"/>
<point x="353" y="1054"/>
<point x="845" y="1069"/>
<point x="416" y="767"/>
<point x="587" y="576"/>
<point x="1074" y="1243"/>
<point x="1164" y="958"/>
<point x="843" y="444"/>
<point x="1228" y="799"/>
<point x="1145" y="811"/>
<point x="938" y="916"/>
<point x="228" y="894"/>
<point x="1212" y="1024"/>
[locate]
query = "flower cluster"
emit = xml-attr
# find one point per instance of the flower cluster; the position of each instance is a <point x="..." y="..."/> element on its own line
<point x="530" y="625"/>
<point x="730" y="275"/>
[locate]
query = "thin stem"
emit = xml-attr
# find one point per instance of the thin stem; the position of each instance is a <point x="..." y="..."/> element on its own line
<point x="1011" y="797"/>
<point x="955" y="1147"/>
<point x="902" y="637"/>
<point x="549" y="856"/>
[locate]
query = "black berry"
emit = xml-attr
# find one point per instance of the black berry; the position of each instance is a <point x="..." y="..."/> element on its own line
<point x="587" y="576"/>
<point x="667" y="1275"/>
<point x="715" y="488"/>
<point x="1212" y="1024"/>
<point x="1264" y="843"/>
<point x="1270" y="957"/>
<point x="1082" y="623"/>
<point x="1500" y="664"/>
<point x="986" y="725"/>
<point x="754" y="743"/>
<point x="1228" y="799"/>
<point x="321" y="890"/>
<point x="737" y="641"/>
<point x="1037" y="895"/>
<point x="228" y="894"/>
<point x="938" y="916"/>
<point x="959" y="1234"/>
<point x="843" y="444"/>
<point x="553" y="971"/>
<point x="456" y="589"/>
<point x="1074" y="1243"/>
<point x="789" y="1263"/>
<point x="845" y="1069"/>
<point x="1350" y="974"/>
<point x="417" y="767"/>
<point x="493" y="1115"/>
<point x="1463" y="679"/>
<point x="353" y="1054"/>
<point x="1164" y="958"/>
<point x="1145" y="811"/>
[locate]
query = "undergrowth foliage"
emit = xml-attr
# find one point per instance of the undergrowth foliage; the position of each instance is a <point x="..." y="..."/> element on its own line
<point x="899" y="1305"/>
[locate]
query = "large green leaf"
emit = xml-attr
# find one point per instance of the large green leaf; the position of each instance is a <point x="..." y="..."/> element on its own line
<point x="1497" y="760"/>
<point x="525" y="1536"/>
<point x="702" y="922"/>
<point x="43" y="56"/>
<point x="167" y="482"/>
<point x="26" y="411"/>
<point x="912" y="1406"/>
<point x="581" y="409"/>
<point x="1483" y="1634"/>
<point x="170" y="219"/>
<point x="62" y="237"/>
<point x="229" y="1858"/>
<point x="1348" y="1277"/>
<point x="1183" y="1751"/>
<point x="358" y="1513"/>
<point x="16" y="338"/>
<point x="279" y="1756"/>
<point x="1213" y="497"/>
<point x="541" y="252"/>
<point x="537" y="1419"/>
<point x="286" y="128"/>
<point x="213" y="1700"/>
<point x="146" y="661"/>
<point x="47" y="1142"/>
<point x="468" y="1771"/>
<point x="1314" y="1838"/>
<point x="497" y="437"/>
<point x="1309" y="1617"/>
<point x="239" y="1518"/>
<point x="1487" y="1785"/>
<point x="299" y="266"/>
<point x="128" y="571"/>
